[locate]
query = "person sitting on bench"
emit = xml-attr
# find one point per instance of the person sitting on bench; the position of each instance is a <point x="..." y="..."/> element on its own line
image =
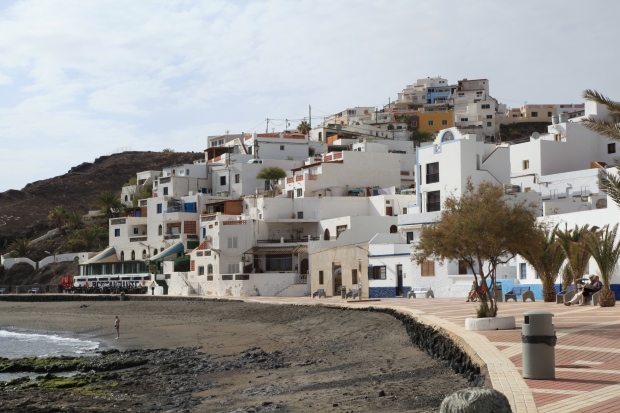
<point x="473" y="295"/>
<point x="590" y="288"/>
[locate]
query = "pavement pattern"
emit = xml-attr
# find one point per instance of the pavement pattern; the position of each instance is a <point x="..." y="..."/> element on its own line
<point x="587" y="354"/>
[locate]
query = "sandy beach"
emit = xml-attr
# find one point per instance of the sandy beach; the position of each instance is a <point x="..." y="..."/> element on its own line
<point x="315" y="359"/>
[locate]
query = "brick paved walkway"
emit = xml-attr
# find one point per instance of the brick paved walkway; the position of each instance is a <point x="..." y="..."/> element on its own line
<point x="587" y="355"/>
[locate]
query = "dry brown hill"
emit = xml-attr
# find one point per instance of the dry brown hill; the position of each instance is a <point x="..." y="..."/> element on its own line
<point x="24" y="213"/>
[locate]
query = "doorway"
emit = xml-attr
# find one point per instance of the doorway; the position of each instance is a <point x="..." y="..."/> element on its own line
<point x="337" y="277"/>
<point x="399" y="280"/>
<point x="303" y="267"/>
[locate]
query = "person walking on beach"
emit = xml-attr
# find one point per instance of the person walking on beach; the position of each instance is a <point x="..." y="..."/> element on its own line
<point x="117" y="326"/>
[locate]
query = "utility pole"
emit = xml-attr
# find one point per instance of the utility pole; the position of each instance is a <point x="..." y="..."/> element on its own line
<point x="267" y="127"/>
<point x="310" y="115"/>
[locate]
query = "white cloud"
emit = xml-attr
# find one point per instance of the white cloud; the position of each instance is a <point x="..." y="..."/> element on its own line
<point x="88" y="76"/>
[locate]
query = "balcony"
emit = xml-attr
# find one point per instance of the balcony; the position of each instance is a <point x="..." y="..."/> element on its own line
<point x="172" y="236"/>
<point x="137" y="239"/>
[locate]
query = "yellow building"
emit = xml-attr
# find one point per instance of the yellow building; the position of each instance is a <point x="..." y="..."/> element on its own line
<point x="435" y="119"/>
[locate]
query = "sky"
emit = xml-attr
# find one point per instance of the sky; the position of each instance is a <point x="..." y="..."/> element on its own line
<point x="81" y="79"/>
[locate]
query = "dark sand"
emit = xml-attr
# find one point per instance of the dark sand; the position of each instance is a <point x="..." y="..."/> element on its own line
<point x="333" y="359"/>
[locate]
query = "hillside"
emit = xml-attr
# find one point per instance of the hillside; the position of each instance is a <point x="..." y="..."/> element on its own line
<point x="24" y="213"/>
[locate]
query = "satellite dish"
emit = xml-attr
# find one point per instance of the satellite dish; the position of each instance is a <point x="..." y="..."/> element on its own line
<point x="601" y="203"/>
<point x="535" y="135"/>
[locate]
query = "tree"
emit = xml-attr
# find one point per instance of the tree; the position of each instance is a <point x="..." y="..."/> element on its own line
<point x="74" y="219"/>
<point x="607" y="181"/>
<point x="20" y="247"/>
<point x="272" y="174"/>
<point x="481" y="229"/>
<point x="89" y="238"/>
<point x="573" y="242"/>
<point x="109" y="203"/>
<point x="304" y="127"/>
<point x="58" y="215"/>
<point x="547" y="257"/>
<point x="606" y="252"/>
<point x="421" y="136"/>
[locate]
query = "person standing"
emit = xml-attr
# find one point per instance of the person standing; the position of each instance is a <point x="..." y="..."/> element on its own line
<point x="117" y="326"/>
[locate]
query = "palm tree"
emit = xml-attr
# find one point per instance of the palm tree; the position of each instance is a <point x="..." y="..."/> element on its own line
<point x="303" y="127"/>
<point x="607" y="182"/>
<point x="109" y="203"/>
<point x="74" y="218"/>
<point x="89" y="238"/>
<point x="58" y="215"/>
<point x="546" y="257"/>
<point x="606" y="252"/>
<point x="574" y="245"/>
<point x="20" y="247"/>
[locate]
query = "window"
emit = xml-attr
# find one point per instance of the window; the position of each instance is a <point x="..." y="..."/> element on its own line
<point x="122" y="255"/>
<point x="232" y="242"/>
<point x="201" y="270"/>
<point x="320" y="277"/>
<point x="143" y="254"/>
<point x="611" y="148"/>
<point x="165" y="190"/>
<point x="320" y="136"/>
<point x="299" y="192"/>
<point x="489" y="116"/>
<point x="281" y="147"/>
<point x="354" y="277"/>
<point x="462" y="267"/>
<point x="159" y="208"/>
<point x="135" y="231"/>
<point x="267" y="185"/>
<point x="187" y="172"/>
<point x="522" y="271"/>
<point x="300" y="214"/>
<point x="117" y="232"/>
<point x="159" y="231"/>
<point x="133" y="255"/>
<point x="526" y="164"/>
<point x="432" y="173"/>
<point x="444" y="122"/>
<point x="549" y="114"/>
<point x="486" y="106"/>
<point x="222" y="180"/>
<point x="428" y="268"/>
<point x="464" y="119"/>
<point x="430" y="123"/>
<point x="534" y="114"/>
<point x="489" y="123"/>
<point x="414" y="123"/>
<point x="237" y="178"/>
<point x="233" y="268"/>
<point x="210" y="269"/>
<point x="378" y="272"/>
<point x="340" y="229"/>
<point x="410" y="237"/>
<point x="433" y="202"/>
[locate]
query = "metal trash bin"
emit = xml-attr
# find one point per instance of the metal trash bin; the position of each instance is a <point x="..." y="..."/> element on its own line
<point x="122" y="295"/>
<point x="499" y="297"/>
<point x="343" y="292"/>
<point x="538" y="341"/>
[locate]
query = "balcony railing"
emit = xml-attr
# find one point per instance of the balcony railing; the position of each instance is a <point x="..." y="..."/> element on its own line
<point x="239" y="222"/>
<point x="118" y="221"/>
<point x="172" y="236"/>
<point x="289" y="240"/>
<point x="165" y="180"/>
<point x="289" y="180"/>
<point x="137" y="239"/>
<point x="313" y="177"/>
<point x="299" y="178"/>
<point x="192" y="236"/>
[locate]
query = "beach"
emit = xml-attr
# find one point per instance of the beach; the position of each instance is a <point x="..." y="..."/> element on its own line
<point x="225" y="356"/>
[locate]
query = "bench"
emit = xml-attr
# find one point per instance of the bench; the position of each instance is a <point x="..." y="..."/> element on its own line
<point x="566" y="295"/>
<point x="353" y="293"/>
<point x="524" y="292"/>
<point x="35" y="290"/>
<point x="426" y="291"/>
<point x="320" y="292"/>
<point x="4" y="290"/>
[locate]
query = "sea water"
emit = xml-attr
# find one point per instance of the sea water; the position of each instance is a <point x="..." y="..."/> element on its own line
<point x="15" y="345"/>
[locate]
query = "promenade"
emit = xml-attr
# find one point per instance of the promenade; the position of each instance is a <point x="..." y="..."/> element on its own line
<point x="587" y="355"/>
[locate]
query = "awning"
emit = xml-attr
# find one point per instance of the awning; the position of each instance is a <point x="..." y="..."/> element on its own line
<point x="292" y="249"/>
<point x="106" y="253"/>
<point x="176" y="248"/>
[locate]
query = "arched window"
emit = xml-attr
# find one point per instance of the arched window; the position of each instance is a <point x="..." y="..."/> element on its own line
<point x="393" y="229"/>
<point x="143" y="254"/>
<point x="155" y="252"/>
<point x="122" y="255"/>
<point x="159" y="230"/>
<point x="326" y="235"/>
<point x="133" y="255"/>
<point x="125" y="198"/>
<point x="210" y="269"/>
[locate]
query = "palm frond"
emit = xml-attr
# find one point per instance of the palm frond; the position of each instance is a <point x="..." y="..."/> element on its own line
<point x="608" y="128"/>
<point x="610" y="184"/>
<point x="593" y="95"/>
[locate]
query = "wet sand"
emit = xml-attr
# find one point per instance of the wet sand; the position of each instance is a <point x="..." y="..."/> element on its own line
<point x="331" y="359"/>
